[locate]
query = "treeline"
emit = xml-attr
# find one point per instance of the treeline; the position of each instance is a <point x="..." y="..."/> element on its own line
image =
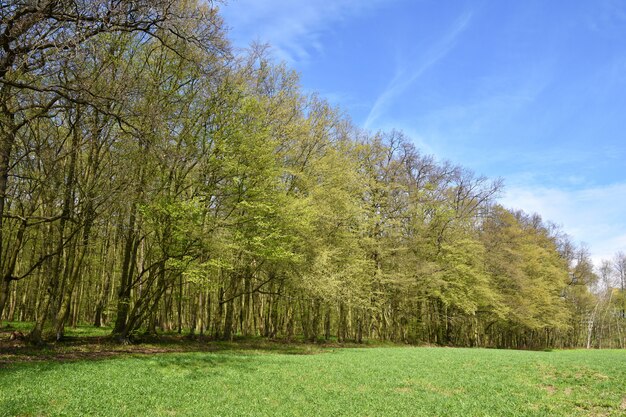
<point x="152" y="180"/>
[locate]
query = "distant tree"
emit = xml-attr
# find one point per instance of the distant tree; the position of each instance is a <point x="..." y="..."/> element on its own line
<point x="620" y="267"/>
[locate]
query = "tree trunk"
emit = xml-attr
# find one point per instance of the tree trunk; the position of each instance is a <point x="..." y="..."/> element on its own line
<point x="315" y="322"/>
<point x="228" y="322"/>
<point x="230" y="307"/>
<point x="4" y="295"/>
<point x="7" y="139"/>
<point x="124" y="290"/>
<point x="75" y="268"/>
<point x="327" y="323"/>
<point x="359" y="332"/>
<point x="180" y="304"/>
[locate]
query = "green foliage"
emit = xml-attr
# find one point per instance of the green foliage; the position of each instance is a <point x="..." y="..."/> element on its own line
<point x="463" y="282"/>
<point x="164" y="182"/>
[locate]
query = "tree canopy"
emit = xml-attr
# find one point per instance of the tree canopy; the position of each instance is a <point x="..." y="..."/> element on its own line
<point x="153" y="180"/>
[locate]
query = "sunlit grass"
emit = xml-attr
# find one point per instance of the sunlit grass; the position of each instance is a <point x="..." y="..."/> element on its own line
<point x="333" y="382"/>
<point x="81" y="330"/>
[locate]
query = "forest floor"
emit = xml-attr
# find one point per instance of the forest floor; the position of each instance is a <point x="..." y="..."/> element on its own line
<point x="89" y="375"/>
<point x="88" y="342"/>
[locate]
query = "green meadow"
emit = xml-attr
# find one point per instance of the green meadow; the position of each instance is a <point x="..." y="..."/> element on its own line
<point x="312" y="381"/>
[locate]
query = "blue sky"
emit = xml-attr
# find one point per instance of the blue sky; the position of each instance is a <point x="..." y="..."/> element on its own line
<point x="533" y="92"/>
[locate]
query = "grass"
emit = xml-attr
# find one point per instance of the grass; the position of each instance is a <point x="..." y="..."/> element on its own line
<point x="77" y="331"/>
<point x="310" y="381"/>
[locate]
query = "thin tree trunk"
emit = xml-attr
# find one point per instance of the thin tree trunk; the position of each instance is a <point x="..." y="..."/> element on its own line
<point x="4" y="295"/>
<point x="180" y="304"/>
<point x="7" y="139"/>
<point x="327" y="321"/>
<point x="124" y="290"/>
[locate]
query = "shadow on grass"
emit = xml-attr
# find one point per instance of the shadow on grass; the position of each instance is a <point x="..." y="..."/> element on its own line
<point x="79" y="348"/>
<point x="190" y="364"/>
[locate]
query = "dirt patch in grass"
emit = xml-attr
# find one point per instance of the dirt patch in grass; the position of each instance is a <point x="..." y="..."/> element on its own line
<point x="550" y="389"/>
<point x="586" y="373"/>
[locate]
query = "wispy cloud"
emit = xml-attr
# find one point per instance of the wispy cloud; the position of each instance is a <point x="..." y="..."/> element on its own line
<point x="407" y="75"/>
<point x="292" y="27"/>
<point x="494" y="105"/>
<point x="608" y="17"/>
<point x="461" y="131"/>
<point x="457" y="128"/>
<point x="593" y="215"/>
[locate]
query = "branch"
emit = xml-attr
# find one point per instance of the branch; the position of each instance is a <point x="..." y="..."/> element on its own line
<point x="255" y="290"/>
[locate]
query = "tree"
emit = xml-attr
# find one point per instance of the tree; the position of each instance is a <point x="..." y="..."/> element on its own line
<point x="152" y="181"/>
<point x="620" y="267"/>
<point x="529" y="276"/>
<point x="41" y="43"/>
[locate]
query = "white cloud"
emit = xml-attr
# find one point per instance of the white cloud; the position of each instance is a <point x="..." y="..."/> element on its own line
<point x="594" y="215"/>
<point x="405" y="76"/>
<point x="485" y="111"/>
<point x="292" y="27"/>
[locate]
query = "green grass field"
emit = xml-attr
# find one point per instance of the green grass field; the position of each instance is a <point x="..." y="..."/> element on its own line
<point x="387" y="381"/>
